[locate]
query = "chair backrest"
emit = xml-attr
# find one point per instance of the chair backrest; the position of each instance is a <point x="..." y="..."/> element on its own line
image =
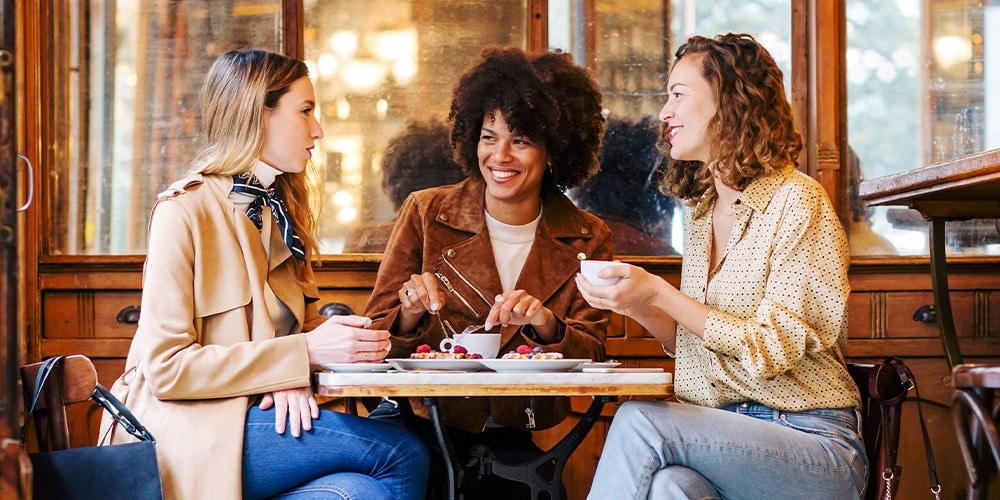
<point x="72" y="381"/>
<point x="879" y="441"/>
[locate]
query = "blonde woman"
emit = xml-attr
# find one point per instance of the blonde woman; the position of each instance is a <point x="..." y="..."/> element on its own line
<point x="219" y="369"/>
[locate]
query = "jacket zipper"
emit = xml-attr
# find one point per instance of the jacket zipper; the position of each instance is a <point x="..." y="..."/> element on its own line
<point x="451" y="289"/>
<point x="466" y="281"/>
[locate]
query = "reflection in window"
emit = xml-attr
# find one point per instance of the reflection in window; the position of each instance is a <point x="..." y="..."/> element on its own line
<point x="377" y="65"/>
<point x="769" y="21"/>
<point x="123" y="107"/>
<point x="916" y="101"/>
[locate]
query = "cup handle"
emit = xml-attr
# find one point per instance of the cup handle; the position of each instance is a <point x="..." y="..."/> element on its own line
<point x="446" y="345"/>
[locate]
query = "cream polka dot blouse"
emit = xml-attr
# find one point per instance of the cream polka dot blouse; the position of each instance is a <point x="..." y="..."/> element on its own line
<point x="777" y="328"/>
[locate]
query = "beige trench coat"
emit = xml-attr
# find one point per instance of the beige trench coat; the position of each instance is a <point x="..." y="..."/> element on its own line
<point x="202" y="351"/>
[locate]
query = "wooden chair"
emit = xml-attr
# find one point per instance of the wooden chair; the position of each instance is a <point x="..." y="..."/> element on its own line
<point x="976" y="416"/>
<point x="73" y="381"/>
<point x="881" y="442"/>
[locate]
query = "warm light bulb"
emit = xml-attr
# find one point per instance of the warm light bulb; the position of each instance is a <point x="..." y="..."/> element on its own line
<point x="362" y="75"/>
<point x="344" y="44"/>
<point x="950" y="50"/>
<point x="404" y="70"/>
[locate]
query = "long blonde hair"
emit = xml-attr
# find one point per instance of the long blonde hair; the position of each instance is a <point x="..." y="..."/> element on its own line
<point x="240" y="86"/>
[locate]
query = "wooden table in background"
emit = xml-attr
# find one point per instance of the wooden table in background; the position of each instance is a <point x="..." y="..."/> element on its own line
<point x="964" y="188"/>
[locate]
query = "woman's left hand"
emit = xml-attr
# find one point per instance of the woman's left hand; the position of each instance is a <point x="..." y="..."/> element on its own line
<point x="517" y="307"/>
<point x="295" y="406"/>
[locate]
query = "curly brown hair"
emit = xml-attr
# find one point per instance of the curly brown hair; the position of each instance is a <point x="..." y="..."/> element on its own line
<point x="545" y="98"/>
<point x="754" y="128"/>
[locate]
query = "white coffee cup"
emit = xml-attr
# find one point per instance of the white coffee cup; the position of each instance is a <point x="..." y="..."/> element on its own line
<point x="486" y="345"/>
<point x="590" y="268"/>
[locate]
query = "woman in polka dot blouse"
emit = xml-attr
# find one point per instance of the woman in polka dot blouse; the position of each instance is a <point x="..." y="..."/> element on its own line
<point x="759" y="324"/>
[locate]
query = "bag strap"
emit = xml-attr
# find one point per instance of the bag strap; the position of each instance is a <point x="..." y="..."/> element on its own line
<point x="102" y="396"/>
<point x="121" y="414"/>
<point x="908" y="381"/>
<point x="40" y="379"/>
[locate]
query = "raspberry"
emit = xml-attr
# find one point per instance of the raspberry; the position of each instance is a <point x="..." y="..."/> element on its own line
<point x="523" y="349"/>
<point x="423" y="348"/>
<point x="459" y="350"/>
<point x="477" y="356"/>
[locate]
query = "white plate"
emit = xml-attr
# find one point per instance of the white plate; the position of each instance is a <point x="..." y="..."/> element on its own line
<point x="532" y="365"/>
<point x="357" y="367"/>
<point x="410" y="364"/>
<point x="597" y="364"/>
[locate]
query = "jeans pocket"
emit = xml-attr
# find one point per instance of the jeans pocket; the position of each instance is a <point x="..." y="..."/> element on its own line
<point x="837" y="424"/>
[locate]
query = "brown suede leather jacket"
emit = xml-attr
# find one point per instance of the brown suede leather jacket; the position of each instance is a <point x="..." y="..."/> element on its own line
<point x="442" y="230"/>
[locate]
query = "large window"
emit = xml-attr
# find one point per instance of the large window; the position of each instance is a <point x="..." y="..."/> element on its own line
<point x="122" y="117"/>
<point x="122" y="108"/>
<point x="923" y="87"/>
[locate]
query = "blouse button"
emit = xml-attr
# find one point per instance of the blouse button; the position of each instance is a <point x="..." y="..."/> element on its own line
<point x="451" y="252"/>
<point x="584" y="230"/>
<point x="443" y="217"/>
<point x="581" y="256"/>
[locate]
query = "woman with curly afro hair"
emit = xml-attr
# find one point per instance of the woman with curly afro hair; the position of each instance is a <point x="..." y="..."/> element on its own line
<point x="766" y="406"/>
<point x="501" y="248"/>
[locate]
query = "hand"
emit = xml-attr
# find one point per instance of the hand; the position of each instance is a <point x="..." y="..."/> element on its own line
<point x="346" y="339"/>
<point x="517" y="307"/>
<point x="634" y="291"/>
<point x="295" y="406"/>
<point x="421" y="294"/>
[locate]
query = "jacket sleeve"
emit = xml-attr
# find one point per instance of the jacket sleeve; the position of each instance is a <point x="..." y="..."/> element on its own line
<point x="583" y="327"/>
<point x="403" y="257"/>
<point x="175" y="362"/>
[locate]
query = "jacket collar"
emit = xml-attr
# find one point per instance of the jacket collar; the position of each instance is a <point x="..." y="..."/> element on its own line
<point x="464" y="209"/>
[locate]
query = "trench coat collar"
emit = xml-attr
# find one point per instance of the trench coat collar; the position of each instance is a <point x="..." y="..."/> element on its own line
<point x="284" y="285"/>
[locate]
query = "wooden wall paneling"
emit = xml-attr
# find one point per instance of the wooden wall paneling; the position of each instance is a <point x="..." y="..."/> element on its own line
<point x="538" y="26"/>
<point x="826" y="126"/>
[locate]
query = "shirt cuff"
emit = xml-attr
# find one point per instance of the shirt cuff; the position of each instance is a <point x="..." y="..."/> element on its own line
<point x="723" y="333"/>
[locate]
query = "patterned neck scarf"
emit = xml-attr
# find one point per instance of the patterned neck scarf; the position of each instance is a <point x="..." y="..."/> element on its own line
<point x="248" y="184"/>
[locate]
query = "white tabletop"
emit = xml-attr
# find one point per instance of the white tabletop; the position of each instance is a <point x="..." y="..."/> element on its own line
<point x="485" y="383"/>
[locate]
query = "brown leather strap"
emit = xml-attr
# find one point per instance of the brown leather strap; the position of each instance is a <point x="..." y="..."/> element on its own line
<point x="888" y="394"/>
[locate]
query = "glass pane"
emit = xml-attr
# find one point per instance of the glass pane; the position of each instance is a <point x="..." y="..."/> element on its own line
<point x="769" y="21"/>
<point x="380" y="66"/>
<point x="124" y="116"/>
<point x="917" y="100"/>
<point x="626" y="43"/>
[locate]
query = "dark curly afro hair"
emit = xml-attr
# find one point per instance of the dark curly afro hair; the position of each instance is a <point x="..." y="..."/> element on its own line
<point x="418" y="158"/>
<point x="627" y="186"/>
<point x="545" y="98"/>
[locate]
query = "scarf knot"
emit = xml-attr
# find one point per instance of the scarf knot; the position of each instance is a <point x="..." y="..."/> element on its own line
<point x="247" y="184"/>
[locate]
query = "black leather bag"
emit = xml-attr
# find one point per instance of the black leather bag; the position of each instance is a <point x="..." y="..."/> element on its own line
<point x="121" y="471"/>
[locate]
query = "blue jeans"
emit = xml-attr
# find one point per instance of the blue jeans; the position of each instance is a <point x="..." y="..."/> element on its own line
<point x="748" y="451"/>
<point x="343" y="456"/>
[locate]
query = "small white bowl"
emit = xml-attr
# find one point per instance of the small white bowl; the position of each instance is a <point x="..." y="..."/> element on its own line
<point x="590" y="268"/>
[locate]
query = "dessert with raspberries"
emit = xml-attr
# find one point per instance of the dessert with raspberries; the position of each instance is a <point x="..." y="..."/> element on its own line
<point x="525" y="352"/>
<point x="424" y="351"/>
